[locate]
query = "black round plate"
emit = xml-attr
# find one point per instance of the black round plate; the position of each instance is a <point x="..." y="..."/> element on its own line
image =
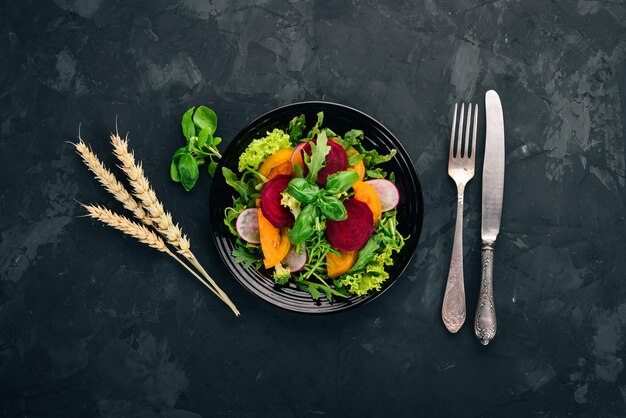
<point x="340" y="119"/>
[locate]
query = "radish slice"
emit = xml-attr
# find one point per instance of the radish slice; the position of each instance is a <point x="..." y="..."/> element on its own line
<point x="295" y="261"/>
<point x="247" y="226"/>
<point x="387" y="192"/>
<point x="297" y="151"/>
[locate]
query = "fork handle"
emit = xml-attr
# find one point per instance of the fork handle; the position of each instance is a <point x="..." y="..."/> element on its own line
<point x="485" y="323"/>
<point x="453" y="308"/>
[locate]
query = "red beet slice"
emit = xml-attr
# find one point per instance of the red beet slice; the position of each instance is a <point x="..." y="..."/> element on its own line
<point x="277" y="214"/>
<point x="352" y="233"/>
<point x="336" y="160"/>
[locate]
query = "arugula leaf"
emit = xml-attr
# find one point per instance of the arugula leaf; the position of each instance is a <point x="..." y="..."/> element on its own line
<point x="315" y="294"/>
<point x="330" y="133"/>
<point x="316" y="128"/>
<point x="366" y="254"/>
<point x="376" y="173"/>
<point x="244" y="187"/>
<point x="351" y="138"/>
<point x="375" y="158"/>
<point x="296" y="128"/>
<point x="231" y="213"/>
<point x="354" y="157"/>
<point x="242" y="255"/>
<point x="372" y="158"/>
<point x="317" y="159"/>
<point x="298" y="171"/>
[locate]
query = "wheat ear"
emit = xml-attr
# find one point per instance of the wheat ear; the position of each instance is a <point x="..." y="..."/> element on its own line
<point x="110" y="182"/>
<point x="140" y="232"/>
<point x="162" y="220"/>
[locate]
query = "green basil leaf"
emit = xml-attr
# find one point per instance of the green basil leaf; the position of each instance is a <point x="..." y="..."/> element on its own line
<point x="174" y="171"/>
<point x="296" y="128"/>
<point x="366" y="254"/>
<point x="205" y="118"/>
<point x="179" y="152"/>
<point x="203" y="137"/>
<point x="332" y="208"/>
<point x="304" y="227"/>
<point x="188" y="170"/>
<point x="212" y="168"/>
<point x="341" y="181"/>
<point x="303" y="190"/>
<point x="216" y="141"/>
<point x="174" y="165"/>
<point x="189" y="129"/>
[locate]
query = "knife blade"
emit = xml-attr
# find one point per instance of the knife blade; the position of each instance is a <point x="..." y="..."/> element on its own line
<point x="485" y="323"/>
<point x="493" y="168"/>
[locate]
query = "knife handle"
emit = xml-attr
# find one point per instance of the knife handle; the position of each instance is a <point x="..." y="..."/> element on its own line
<point x="485" y="323"/>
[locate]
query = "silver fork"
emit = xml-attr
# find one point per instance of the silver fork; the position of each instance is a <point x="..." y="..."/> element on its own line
<point x="461" y="169"/>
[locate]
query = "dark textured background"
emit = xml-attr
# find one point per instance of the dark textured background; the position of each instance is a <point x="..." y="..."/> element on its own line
<point x="94" y="324"/>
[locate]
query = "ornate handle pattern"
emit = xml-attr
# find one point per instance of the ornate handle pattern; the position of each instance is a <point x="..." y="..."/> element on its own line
<point x="485" y="323"/>
<point x="453" y="309"/>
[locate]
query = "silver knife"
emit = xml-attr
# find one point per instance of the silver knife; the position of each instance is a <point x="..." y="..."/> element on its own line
<point x="493" y="189"/>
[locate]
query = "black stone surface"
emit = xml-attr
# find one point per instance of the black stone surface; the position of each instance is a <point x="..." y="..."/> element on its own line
<point x="94" y="324"/>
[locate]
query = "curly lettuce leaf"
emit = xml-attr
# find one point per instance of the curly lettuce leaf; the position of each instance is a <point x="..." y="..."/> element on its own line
<point x="261" y="148"/>
<point x="369" y="272"/>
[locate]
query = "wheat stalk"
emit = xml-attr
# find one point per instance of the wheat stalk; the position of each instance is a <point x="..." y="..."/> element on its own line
<point x="161" y="219"/>
<point x="140" y="232"/>
<point x="110" y="182"/>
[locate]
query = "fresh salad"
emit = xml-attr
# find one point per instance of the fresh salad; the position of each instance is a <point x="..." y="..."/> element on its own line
<point x="317" y="208"/>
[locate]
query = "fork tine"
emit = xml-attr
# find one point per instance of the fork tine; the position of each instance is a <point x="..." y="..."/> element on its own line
<point x="474" y="129"/>
<point x="459" y="137"/>
<point x="452" y="133"/>
<point x="467" y="131"/>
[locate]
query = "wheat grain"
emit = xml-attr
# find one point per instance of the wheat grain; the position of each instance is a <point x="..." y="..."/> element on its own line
<point x="110" y="182"/>
<point x="122" y="223"/>
<point x="142" y="190"/>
